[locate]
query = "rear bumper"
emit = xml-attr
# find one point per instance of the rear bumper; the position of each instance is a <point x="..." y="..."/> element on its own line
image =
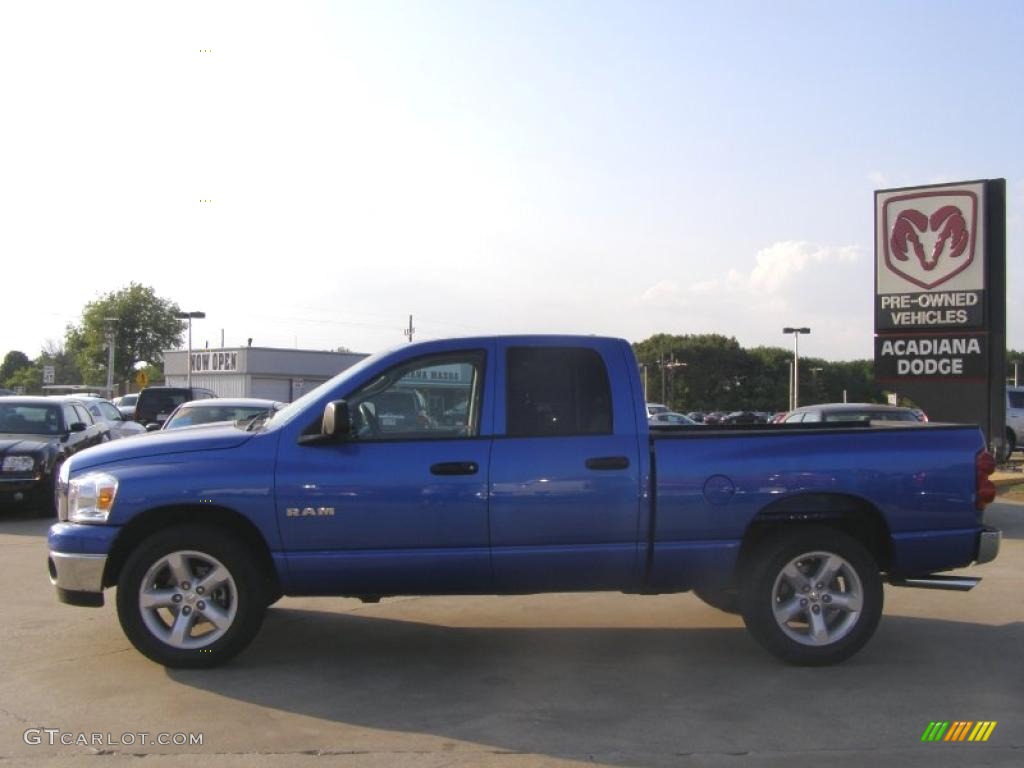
<point x="989" y="540"/>
<point x="924" y="552"/>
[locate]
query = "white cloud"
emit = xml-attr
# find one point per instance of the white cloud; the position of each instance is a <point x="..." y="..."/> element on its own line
<point x="779" y="263"/>
<point x="878" y="179"/>
<point x="826" y="287"/>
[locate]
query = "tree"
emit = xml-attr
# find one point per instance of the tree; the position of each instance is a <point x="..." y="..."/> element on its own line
<point x="720" y="375"/>
<point x="65" y="369"/>
<point x="13" y="362"/>
<point x="145" y="325"/>
<point x="29" y="378"/>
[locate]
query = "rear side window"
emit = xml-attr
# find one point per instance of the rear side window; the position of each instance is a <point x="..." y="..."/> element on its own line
<point x="1015" y="398"/>
<point x="557" y="391"/>
<point x="159" y="401"/>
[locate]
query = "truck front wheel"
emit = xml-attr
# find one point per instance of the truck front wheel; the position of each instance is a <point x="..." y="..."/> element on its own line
<point x="812" y="596"/>
<point x="190" y="597"/>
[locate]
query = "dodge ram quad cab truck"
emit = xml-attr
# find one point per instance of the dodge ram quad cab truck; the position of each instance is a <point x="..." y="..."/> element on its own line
<point x="546" y="478"/>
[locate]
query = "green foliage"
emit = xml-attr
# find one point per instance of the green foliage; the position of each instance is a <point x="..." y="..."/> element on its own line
<point x="720" y="375"/>
<point x="145" y="326"/>
<point x="13" y="362"/>
<point x="30" y="378"/>
<point x="65" y="369"/>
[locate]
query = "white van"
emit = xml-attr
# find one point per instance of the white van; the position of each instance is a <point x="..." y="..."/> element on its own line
<point x="1015" y="418"/>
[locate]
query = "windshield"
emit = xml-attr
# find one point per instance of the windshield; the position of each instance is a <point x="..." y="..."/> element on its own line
<point x="29" y="419"/>
<point x="190" y="415"/>
<point x="871" y="416"/>
<point x="290" y="411"/>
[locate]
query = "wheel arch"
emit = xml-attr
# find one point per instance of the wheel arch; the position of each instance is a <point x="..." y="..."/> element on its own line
<point x="853" y="515"/>
<point x="161" y="518"/>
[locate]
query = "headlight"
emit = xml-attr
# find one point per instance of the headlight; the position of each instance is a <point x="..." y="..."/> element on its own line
<point x="91" y="497"/>
<point x="19" y="464"/>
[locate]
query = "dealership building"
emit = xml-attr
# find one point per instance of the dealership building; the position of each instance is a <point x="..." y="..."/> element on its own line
<point x="275" y="374"/>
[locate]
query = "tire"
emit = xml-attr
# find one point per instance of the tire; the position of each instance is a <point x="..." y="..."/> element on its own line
<point x="46" y="501"/>
<point x="174" y="614"/>
<point x="781" y="594"/>
<point x="727" y="600"/>
<point x="1011" y="443"/>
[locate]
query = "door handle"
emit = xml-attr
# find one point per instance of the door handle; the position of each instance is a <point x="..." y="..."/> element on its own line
<point x="608" y="462"/>
<point x="455" y="468"/>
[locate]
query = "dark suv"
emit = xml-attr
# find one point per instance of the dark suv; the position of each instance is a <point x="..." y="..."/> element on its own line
<point x="156" y="403"/>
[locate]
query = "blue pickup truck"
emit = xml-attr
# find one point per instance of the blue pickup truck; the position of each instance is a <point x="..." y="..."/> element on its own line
<point x="514" y="465"/>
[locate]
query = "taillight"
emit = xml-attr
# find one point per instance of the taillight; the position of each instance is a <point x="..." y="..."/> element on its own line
<point x="984" y="489"/>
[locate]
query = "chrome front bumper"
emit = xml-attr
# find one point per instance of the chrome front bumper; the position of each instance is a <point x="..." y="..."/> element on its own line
<point x="988" y="545"/>
<point x="78" y="578"/>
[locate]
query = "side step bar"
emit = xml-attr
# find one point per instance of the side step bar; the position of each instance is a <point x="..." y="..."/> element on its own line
<point x="956" y="583"/>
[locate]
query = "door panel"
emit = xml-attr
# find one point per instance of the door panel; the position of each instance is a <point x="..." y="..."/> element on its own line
<point x="398" y="506"/>
<point x="565" y="479"/>
<point x="394" y="527"/>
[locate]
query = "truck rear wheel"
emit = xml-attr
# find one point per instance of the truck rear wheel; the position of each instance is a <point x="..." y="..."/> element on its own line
<point x="812" y="596"/>
<point x="190" y="597"/>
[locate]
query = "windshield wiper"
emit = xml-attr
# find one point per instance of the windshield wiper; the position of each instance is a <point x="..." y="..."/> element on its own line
<point x="250" y="423"/>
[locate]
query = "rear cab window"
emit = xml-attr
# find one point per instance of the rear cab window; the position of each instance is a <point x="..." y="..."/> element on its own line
<point x="557" y="391"/>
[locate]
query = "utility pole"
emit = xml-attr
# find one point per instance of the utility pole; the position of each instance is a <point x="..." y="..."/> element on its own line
<point x="410" y="330"/>
<point x="110" y="324"/>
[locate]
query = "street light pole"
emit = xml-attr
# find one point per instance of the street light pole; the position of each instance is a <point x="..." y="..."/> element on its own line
<point x="111" y="336"/>
<point x="796" y="363"/>
<point x="188" y="316"/>
<point x="671" y="369"/>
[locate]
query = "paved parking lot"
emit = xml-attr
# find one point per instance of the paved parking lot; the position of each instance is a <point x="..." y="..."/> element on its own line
<point x="515" y="681"/>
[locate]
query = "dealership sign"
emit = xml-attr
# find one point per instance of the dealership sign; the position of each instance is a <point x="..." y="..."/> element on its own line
<point x="940" y="297"/>
<point x="219" y="362"/>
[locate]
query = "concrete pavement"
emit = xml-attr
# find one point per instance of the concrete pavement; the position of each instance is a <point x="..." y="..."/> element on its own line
<point x="517" y="681"/>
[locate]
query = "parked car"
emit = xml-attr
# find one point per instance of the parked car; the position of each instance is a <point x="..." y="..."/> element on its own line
<point x="851" y="412"/>
<point x="36" y="435"/>
<point x="219" y="409"/>
<point x="126" y="404"/>
<point x="715" y="417"/>
<point x="655" y="408"/>
<point x="155" y="404"/>
<point x="697" y="416"/>
<point x="104" y="411"/>
<point x="669" y="418"/>
<point x="5" y="392"/>
<point x="1015" y="418"/>
<point x="552" y="485"/>
<point x="743" y="417"/>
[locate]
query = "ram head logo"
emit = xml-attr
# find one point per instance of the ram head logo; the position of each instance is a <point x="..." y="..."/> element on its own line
<point x="952" y="237"/>
<point x="929" y="248"/>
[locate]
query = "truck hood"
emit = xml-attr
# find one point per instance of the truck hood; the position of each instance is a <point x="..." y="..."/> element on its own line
<point x="160" y="443"/>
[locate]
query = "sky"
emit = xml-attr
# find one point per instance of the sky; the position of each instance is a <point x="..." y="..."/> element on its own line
<point x="310" y="174"/>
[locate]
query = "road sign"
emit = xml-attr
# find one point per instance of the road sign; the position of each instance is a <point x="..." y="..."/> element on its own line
<point x="142" y="379"/>
<point x="48" y="374"/>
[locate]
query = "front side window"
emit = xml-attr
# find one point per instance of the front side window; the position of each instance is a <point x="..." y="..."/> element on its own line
<point x="83" y="414"/>
<point x="430" y="398"/>
<point x="70" y="417"/>
<point x="555" y="391"/>
<point x="108" y="412"/>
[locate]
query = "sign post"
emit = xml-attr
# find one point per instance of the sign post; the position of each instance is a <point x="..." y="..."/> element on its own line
<point x="940" y="301"/>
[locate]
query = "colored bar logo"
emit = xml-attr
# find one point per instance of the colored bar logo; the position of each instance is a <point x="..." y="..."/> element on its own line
<point x="958" y="730"/>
